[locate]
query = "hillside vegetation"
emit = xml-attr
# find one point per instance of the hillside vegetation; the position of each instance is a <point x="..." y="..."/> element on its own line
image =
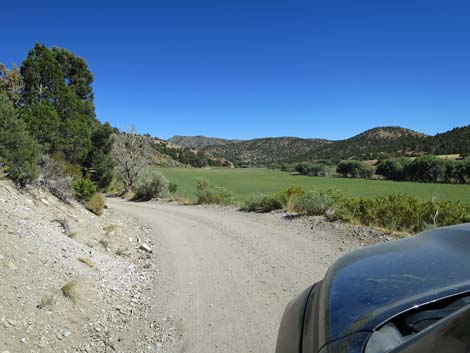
<point x="48" y="122"/>
<point x="264" y="151"/>
<point x="199" y="142"/>
<point x="376" y="143"/>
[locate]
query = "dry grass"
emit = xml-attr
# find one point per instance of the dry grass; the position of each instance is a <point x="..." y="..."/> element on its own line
<point x="449" y="156"/>
<point x="183" y="200"/>
<point x="111" y="228"/>
<point x="46" y="301"/>
<point x="291" y="205"/>
<point x="128" y="195"/>
<point x="122" y="252"/>
<point x="96" y="204"/>
<point x="72" y="290"/>
<point x="104" y="243"/>
<point x="73" y="235"/>
<point x="86" y="261"/>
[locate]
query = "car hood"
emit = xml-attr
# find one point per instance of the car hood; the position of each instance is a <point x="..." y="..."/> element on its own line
<point x="370" y="285"/>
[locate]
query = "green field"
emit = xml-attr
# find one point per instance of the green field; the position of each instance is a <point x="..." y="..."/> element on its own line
<point x="243" y="182"/>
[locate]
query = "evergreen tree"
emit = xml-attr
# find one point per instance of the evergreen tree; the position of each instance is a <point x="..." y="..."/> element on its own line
<point x="43" y="124"/>
<point x="19" y="153"/>
<point x="43" y="77"/>
<point x="99" y="163"/>
<point x="11" y="84"/>
<point x="60" y="113"/>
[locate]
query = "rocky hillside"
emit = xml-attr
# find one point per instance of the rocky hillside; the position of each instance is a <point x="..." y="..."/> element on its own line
<point x="375" y="143"/>
<point x="454" y="141"/>
<point x="266" y="150"/>
<point x="75" y="282"/>
<point x="371" y="144"/>
<point x="199" y="142"/>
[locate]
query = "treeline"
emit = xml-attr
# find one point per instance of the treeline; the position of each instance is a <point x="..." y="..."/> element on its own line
<point x="328" y="168"/>
<point x="426" y="169"/>
<point x="184" y="155"/>
<point x="47" y="109"/>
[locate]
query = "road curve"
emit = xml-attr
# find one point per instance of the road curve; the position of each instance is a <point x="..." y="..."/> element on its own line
<point x="226" y="276"/>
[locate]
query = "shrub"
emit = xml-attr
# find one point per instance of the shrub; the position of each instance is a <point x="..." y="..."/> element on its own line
<point x="83" y="188"/>
<point x="354" y="169"/>
<point x="70" y="169"/>
<point x="151" y="184"/>
<point x="444" y="213"/>
<point x="72" y="290"/>
<point x="426" y="169"/>
<point x="96" y="204"/>
<point x="392" y="169"/>
<point x="314" y="203"/>
<point x="262" y="203"/>
<point x="323" y="168"/>
<point x="283" y="199"/>
<point x="172" y="187"/>
<point x="289" y="196"/>
<point x="396" y="212"/>
<point x="207" y="193"/>
<point x="401" y="212"/>
<point x="52" y="177"/>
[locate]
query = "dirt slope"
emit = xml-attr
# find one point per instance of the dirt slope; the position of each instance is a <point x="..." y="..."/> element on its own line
<point x="87" y="289"/>
<point x="226" y="276"/>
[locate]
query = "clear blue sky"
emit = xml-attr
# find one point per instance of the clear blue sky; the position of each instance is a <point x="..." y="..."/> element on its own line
<point x="249" y="68"/>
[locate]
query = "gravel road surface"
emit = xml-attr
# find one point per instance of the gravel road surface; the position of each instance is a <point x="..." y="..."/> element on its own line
<point x="226" y="276"/>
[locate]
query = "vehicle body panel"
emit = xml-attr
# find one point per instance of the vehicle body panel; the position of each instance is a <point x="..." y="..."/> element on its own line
<point x="369" y="286"/>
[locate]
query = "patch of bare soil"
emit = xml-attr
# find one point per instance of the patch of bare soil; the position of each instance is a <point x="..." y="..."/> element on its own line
<point x="74" y="282"/>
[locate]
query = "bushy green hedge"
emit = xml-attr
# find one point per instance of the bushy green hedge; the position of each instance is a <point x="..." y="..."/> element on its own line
<point x="262" y="203"/>
<point x="321" y="168"/>
<point x="426" y="169"/>
<point x="83" y="188"/>
<point x="396" y="212"/>
<point x="207" y="193"/>
<point x="314" y="203"/>
<point x="283" y="199"/>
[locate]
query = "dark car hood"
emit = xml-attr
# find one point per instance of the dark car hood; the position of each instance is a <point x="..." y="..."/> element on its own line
<point x="372" y="284"/>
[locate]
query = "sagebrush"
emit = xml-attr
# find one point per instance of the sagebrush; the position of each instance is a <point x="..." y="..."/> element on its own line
<point x="151" y="184"/>
<point x="207" y="193"/>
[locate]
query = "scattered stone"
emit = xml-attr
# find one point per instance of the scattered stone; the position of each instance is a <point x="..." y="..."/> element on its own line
<point x="12" y="266"/>
<point x="145" y="247"/>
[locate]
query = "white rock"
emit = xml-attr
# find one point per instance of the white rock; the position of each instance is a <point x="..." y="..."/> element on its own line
<point x="145" y="247"/>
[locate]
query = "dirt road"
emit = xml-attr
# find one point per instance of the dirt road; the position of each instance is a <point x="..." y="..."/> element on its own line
<point x="226" y="276"/>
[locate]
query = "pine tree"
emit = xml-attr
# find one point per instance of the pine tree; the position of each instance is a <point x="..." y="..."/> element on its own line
<point x="19" y="153"/>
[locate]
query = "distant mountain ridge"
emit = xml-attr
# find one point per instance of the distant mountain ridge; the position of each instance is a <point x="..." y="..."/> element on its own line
<point x="379" y="142"/>
<point x="199" y="142"/>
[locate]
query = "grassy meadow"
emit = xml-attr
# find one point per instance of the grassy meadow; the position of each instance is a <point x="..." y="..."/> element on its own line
<point x="244" y="182"/>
